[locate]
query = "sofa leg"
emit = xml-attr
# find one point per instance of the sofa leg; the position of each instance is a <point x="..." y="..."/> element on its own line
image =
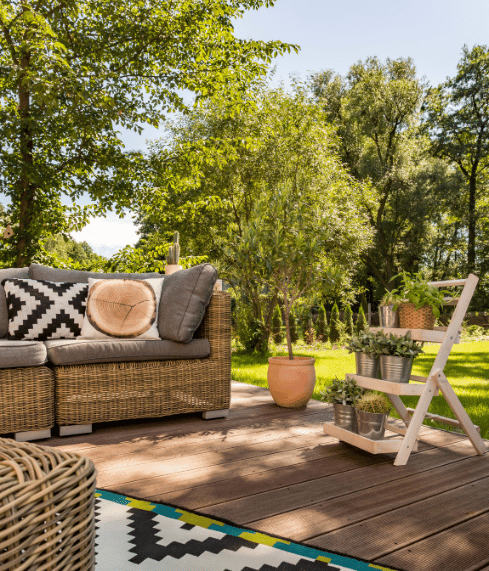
<point x="209" y="414"/>
<point x="32" y="435"/>
<point x="73" y="429"/>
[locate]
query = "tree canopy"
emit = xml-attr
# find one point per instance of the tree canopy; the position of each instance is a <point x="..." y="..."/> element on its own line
<point x="75" y="72"/>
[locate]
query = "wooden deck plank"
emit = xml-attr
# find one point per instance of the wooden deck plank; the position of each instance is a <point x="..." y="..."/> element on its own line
<point x="269" y="466"/>
<point x="463" y="546"/>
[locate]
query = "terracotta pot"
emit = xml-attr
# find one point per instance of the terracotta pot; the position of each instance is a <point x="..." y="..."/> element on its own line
<point x="291" y="382"/>
<point x="171" y="268"/>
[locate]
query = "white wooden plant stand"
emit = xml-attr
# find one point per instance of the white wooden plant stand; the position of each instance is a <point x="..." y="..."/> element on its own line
<point x="404" y="440"/>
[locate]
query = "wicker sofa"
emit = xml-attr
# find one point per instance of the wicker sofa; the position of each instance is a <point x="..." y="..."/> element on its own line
<point x="35" y="398"/>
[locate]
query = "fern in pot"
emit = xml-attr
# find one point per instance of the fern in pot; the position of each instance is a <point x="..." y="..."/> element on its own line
<point x="396" y="356"/>
<point x="364" y="345"/>
<point x="343" y="395"/>
<point x="372" y="410"/>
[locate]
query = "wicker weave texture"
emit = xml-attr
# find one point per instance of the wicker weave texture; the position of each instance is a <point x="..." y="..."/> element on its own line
<point x="105" y="392"/>
<point x="412" y="318"/>
<point x="27" y="399"/>
<point x="47" y="519"/>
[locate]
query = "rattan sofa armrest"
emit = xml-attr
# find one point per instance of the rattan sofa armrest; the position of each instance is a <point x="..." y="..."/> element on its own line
<point x="216" y="326"/>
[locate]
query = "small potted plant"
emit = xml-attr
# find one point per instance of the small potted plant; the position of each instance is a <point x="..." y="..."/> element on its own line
<point x="388" y="314"/>
<point x="372" y="409"/>
<point x="421" y="303"/>
<point x="396" y="356"/>
<point x="343" y="395"/>
<point x="364" y="345"/>
<point x="173" y="256"/>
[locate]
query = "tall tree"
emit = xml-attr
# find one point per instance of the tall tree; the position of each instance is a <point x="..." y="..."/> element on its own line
<point x="73" y="73"/>
<point x="457" y="119"/>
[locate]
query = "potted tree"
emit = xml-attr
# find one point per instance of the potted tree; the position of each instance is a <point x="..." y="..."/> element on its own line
<point x="343" y="395"/>
<point x="173" y="256"/>
<point x="372" y="409"/>
<point x="364" y="345"/>
<point x="396" y="356"/>
<point x="419" y="303"/>
<point x="388" y="314"/>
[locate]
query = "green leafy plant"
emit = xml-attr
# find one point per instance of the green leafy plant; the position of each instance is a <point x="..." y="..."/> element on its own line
<point x="348" y="320"/>
<point x="342" y="392"/>
<point x="361" y="323"/>
<point x="415" y="289"/>
<point x="390" y="298"/>
<point x="404" y="346"/>
<point x="321" y="325"/>
<point x="374" y="402"/>
<point x="364" y="342"/>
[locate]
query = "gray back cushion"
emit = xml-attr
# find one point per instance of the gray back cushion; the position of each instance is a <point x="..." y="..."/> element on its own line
<point x="46" y="273"/>
<point x="7" y="273"/>
<point x="184" y="298"/>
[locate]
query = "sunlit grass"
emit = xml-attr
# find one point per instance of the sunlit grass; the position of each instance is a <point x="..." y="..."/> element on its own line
<point x="467" y="370"/>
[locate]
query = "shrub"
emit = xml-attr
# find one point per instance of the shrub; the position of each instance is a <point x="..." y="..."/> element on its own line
<point x="321" y="325"/>
<point x="361" y="323"/>
<point x="335" y="325"/>
<point x="248" y="329"/>
<point x="310" y="333"/>
<point x="278" y="335"/>
<point x="293" y="327"/>
<point x="348" y="320"/>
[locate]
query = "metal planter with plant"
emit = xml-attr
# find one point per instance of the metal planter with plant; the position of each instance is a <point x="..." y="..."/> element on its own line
<point x="364" y="345"/>
<point x="396" y="356"/>
<point x="371" y="411"/>
<point x="343" y="395"/>
<point x="388" y="314"/>
<point x="421" y="302"/>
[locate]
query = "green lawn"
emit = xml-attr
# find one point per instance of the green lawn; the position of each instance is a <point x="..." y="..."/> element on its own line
<point x="467" y="370"/>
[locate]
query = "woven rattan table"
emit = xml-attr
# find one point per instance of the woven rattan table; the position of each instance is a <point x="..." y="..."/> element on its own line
<point x="47" y="518"/>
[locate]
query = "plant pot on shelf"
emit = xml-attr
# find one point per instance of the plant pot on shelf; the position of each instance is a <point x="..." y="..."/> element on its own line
<point x="412" y="318"/>
<point x="396" y="369"/>
<point x="388" y="317"/>
<point x="345" y="417"/>
<point x="371" y="424"/>
<point x="172" y="268"/>
<point x="367" y="365"/>
<point x="291" y="381"/>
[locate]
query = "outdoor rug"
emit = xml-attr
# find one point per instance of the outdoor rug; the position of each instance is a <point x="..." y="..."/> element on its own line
<point x="137" y="535"/>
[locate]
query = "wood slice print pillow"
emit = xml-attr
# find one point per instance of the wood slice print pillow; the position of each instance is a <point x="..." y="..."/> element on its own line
<point x="122" y="309"/>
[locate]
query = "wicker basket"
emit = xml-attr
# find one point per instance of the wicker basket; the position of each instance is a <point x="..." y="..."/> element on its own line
<point x="47" y="518"/>
<point x="412" y="318"/>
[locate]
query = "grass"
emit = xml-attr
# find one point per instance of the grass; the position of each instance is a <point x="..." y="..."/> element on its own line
<point x="467" y="370"/>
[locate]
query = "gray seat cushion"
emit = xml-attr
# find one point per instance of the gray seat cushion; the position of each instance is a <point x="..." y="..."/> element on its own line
<point x="39" y="272"/>
<point x="8" y="273"/>
<point x="88" y="351"/>
<point x="184" y="298"/>
<point x="21" y="354"/>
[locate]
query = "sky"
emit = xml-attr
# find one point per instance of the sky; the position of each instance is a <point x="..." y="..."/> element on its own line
<point x="334" y="34"/>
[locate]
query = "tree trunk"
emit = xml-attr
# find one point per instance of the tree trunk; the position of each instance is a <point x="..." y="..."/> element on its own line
<point x="471" y="225"/>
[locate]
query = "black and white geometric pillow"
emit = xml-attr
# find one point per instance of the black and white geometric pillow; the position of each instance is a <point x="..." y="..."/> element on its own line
<point x="41" y="310"/>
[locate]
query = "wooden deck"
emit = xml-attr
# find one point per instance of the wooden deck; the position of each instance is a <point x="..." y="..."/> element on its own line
<point x="274" y="470"/>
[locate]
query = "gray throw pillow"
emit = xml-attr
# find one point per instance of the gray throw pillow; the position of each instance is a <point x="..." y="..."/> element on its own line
<point x="39" y="272"/>
<point x="5" y="274"/>
<point x="184" y="298"/>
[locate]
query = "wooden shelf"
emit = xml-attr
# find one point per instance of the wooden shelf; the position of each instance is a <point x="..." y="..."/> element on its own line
<point x="436" y="335"/>
<point x="387" y="386"/>
<point x="391" y="443"/>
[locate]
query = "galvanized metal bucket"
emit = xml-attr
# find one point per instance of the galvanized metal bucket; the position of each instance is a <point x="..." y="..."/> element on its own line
<point x="345" y="417"/>
<point x="388" y="317"/>
<point x="371" y="424"/>
<point x="367" y="365"/>
<point x="396" y="369"/>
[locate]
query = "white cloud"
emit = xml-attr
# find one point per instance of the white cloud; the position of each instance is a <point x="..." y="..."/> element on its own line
<point x="109" y="234"/>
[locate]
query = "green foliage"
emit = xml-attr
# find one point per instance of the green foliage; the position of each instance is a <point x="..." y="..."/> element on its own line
<point x="248" y="329"/>
<point x="364" y="341"/>
<point x="342" y="392"/>
<point x="322" y="324"/>
<point x="309" y="332"/>
<point x="361" y="323"/>
<point x="63" y="252"/>
<point x="278" y="336"/>
<point x="75" y="74"/>
<point x="174" y="250"/>
<point x="390" y="298"/>
<point x="415" y="289"/>
<point x="335" y="325"/>
<point x="403" y="346"/>
<point x="294" y="337"/>
<point x="348" y="317"/>
<point x="374" y="402"/>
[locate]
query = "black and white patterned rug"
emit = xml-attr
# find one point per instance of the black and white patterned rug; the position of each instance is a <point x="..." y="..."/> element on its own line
<point x="145" y="536"/>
